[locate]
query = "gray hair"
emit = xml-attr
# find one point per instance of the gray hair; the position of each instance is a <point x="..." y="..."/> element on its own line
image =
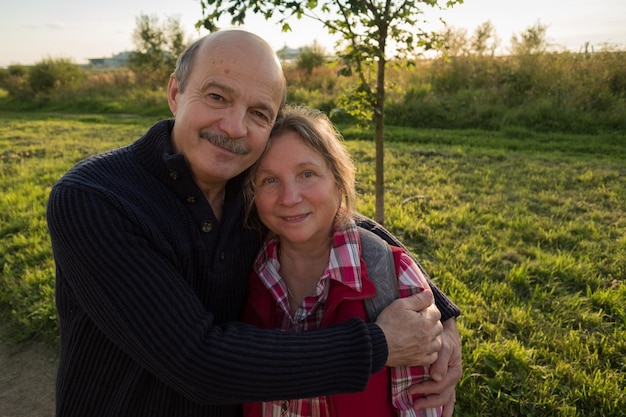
<point x="184" y="63"/>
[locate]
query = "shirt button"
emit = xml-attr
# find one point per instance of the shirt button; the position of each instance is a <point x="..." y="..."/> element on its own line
<point x="206" y="226"/>
<point x="222" y="255"/>
<point x="191" y="199"/>
<point x="173" y="174"/>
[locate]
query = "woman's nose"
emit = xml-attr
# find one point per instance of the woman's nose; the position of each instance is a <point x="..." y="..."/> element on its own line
<point x="290" y="193"/>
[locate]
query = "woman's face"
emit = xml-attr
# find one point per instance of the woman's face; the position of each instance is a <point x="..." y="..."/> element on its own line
<point x="296" y="194"/>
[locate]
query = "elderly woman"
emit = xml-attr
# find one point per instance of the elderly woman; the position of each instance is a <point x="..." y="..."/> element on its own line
<point x="310" y="272"/>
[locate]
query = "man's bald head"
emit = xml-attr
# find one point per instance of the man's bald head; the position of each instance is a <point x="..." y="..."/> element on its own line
<point x="230" y="44"/>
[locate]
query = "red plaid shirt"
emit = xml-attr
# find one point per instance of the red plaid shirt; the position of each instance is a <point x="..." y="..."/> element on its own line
<point x="343" y="266"/>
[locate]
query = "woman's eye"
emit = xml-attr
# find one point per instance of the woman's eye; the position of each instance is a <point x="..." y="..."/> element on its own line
<point x="308" y="174"/>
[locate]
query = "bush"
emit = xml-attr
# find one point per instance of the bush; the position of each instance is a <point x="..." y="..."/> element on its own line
<point x="14" y="80"/>
<point x="53" y="74"/>
<point x="567" y="92"/>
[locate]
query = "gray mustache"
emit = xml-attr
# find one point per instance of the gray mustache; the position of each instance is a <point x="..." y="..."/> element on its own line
<point x="225" y="142"/>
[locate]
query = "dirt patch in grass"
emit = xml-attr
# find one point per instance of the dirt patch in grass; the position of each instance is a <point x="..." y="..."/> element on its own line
<point x="27" y="376"/>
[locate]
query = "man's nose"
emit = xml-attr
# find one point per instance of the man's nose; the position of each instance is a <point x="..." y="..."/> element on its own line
<point x="233" y="123"/>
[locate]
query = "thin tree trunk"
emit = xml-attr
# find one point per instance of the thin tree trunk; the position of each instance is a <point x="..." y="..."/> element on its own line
<point x="379" y="120"/>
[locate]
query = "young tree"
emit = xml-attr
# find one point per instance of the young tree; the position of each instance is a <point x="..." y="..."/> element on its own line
<point x="455" y="42"/>
<point x="532" y="41"/>
<point x="310" y="57"/>
<point x="372" y="32"/>
<point x="157" y="47"/>
<point x="485" y="41"/>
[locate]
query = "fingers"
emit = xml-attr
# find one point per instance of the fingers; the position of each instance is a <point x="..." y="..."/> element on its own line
<point x="448" y="366"/>
<point x="441" y="391"/>
<point x="433" y="388"/>
<point x="450" y="355"/>
<point x="448" y="409"/>
<point x="435" y="394"/>
<point x="420" y="301"/>
<point x="414" y="336"/>
<point x="446" y="399"/>
<point x="439" y="368"/>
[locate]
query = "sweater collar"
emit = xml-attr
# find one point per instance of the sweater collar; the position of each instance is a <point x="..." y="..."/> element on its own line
<point x="156" y="153"/>
<point x="154" y="145"/>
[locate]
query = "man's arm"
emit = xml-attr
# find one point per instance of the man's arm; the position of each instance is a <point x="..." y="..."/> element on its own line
<point x="119" y="283"/>
<point x="128" y="287"/>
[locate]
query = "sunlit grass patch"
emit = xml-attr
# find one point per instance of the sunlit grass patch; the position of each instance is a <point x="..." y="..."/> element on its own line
<point x="527" y="234"/>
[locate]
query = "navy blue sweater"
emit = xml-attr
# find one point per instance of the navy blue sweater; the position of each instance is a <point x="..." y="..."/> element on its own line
<point x="149" y="289"/>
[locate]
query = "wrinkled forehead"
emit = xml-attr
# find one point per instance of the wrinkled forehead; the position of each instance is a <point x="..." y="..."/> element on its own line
<point x="244" y="56"/>
<point x="240" y="47"/>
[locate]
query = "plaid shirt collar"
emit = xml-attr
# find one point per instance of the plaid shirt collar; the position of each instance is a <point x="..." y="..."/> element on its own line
<point x="344" y="265"/>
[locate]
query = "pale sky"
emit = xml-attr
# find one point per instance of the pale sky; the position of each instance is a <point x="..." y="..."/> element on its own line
<point x="31" y="30"/>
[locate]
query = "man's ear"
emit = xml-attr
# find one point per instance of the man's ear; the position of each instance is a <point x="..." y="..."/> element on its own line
<point x="172" y="94"/>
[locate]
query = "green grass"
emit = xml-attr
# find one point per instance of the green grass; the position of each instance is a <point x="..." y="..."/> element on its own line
<point x="530" y="241"/>
<point x="35" y="150"/>
<point x="525" y="231"/>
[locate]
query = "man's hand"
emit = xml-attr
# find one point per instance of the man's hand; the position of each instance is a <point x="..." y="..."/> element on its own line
<point x="413" y="331"/>
<point x="446" y="372"/>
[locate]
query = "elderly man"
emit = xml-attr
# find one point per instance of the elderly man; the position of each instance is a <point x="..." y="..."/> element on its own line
<point x="152" y="263"/>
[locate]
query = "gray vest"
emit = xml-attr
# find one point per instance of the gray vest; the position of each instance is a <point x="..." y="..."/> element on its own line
<point x="382" y="272"/>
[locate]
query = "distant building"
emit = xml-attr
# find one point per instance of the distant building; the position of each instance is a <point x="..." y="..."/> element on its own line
<point x="287" y="54"/>
<point x="116" y="61"/>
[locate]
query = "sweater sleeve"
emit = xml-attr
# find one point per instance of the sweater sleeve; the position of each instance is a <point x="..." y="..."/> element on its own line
<point x="447" y="308"/>
<point x="138" y="300"/>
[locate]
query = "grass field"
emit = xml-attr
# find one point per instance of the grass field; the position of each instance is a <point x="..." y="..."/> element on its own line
<point x="526" y="232"/>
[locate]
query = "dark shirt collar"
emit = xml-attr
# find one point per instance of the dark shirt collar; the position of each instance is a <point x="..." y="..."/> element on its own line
<point x="155" y="152"/>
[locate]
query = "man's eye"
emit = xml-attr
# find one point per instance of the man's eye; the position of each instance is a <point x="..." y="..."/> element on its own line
<point x="261" y="115"/>
<point x="215" y="97"/>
